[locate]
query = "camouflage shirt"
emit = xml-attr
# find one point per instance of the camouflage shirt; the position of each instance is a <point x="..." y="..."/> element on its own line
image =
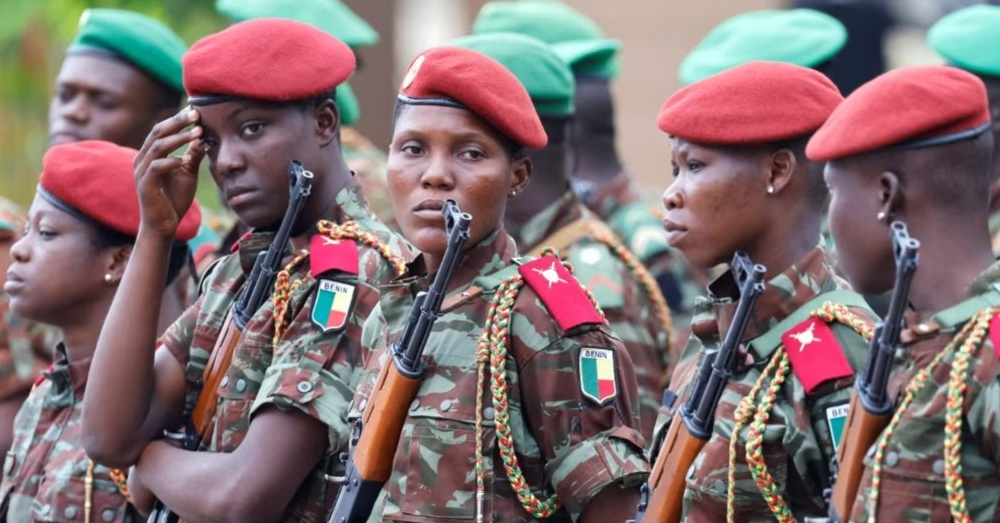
<point x="313" y="369"/>
<point x="46" y="469"/>
<point x="25" y="346"/>
<point x="797" y="446"/>
<point x="617" y="290"/>
<point x="368" y="164"/>
<point x="564" y="443"/>
<point x="913" y="468"/>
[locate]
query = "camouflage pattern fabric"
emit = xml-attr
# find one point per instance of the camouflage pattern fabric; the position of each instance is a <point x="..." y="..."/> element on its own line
<point x="25" y="346"/>
<point x="309" y="370"/>
<point x="797" y="445"/>
<point x="625" y="303"/>
<point x="45" y="470"/>
<point x="564" y="443"/>
<point x="368" y="164"/>
<point x="913" y="477"/>
<point x="995" y="233"/>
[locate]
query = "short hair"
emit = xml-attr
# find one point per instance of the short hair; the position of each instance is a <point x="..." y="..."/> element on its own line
<point x="514" y="150"/>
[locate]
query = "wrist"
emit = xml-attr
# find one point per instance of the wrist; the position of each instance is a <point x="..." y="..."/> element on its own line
<point x="155" y="237"/>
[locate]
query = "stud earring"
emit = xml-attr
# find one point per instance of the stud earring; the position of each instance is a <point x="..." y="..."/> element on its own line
<point x="770" y="189"/>
<point x="108" y="277"/>
<point x="881" y="216"/>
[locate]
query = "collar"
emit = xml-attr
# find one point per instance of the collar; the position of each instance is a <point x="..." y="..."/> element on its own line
<point x="65" y="375"/>
<point x="491" y="254"/>
<point x="922" y="325"/>
<point x="557" y="215"/>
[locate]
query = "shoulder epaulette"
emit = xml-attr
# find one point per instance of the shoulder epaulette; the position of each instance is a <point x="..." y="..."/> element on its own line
<point x="815" y="353"/>
<point x="561" y="293"/>
<point x="326" y="254"/>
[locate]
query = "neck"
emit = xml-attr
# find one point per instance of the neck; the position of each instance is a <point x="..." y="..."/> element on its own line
<point x="943" y="279"/>
<point x="548" y="185"/>
<point x="785" y="245"/>
<point x="323" y="198"/>
<point x="81" y="332"/>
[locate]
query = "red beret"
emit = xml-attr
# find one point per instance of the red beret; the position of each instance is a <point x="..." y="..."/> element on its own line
<point x="755" y="103"/>
<point x="910" y="107"/>
<point x="93" y="180"/>
<point x="457" y="76"/>
<point x="266" y="59"/>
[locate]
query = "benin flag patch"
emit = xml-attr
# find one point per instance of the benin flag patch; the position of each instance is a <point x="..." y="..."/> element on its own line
<point x="333" y="304"/>
<point x="597" y="374"/>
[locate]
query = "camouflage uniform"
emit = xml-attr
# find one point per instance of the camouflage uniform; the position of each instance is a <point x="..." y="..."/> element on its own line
<point x="914" y="462"/>
<point x="310" y="369"/>
<point x="796" y="445"/>
<point x="564" y="443"/>
<point x="25" y="347"/>
<point x="626" y="304"/>
<point x="46" y="470"/>
<point x="368" y="164"/>
<point x="995" y="232"/>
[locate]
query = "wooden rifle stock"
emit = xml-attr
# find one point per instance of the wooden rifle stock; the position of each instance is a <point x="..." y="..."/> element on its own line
<point x="392" y="395"/>
<point x="215" y="371"/>
<point x="860" y="433"/>
<point x="680" y="448"/>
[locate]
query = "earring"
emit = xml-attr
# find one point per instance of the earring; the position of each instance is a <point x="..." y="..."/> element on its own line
<point x="770" y="189"/>
<point x="108" y="277"/>
<point x="513" y="194"/>
<point x="881" y="216"/>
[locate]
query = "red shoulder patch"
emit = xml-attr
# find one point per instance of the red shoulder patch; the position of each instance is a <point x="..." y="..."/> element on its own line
<point x="326" y="254"/>
<point x="560" y="292"/>
<point x="995" y="334"/>
<point x="815" y="354"/>
<point x="236" y="244"/>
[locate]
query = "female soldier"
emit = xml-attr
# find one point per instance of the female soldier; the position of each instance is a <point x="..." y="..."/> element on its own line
<point x="559" y="427"/>
<point x="264" y="92"/>
<point x="65" y="271"/>
<point x="742" y="183"/>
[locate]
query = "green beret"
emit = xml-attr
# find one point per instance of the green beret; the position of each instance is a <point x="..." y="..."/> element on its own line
<point x="331" y="16"/>
<point x="546" y="77"/>
<point x="142" y="41"/>
<point x="802" y="37"/>
<point x="573" y="36"/>
<point x="347" y="103"/>
<point x="969" y="38"/>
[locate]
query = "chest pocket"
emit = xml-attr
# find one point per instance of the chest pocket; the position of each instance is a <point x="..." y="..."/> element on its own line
<point x="239" y="387"/>
<point x="62" y="499"/>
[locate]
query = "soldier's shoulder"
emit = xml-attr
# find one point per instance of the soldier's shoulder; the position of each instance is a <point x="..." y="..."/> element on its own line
<point x="601" y="271"/>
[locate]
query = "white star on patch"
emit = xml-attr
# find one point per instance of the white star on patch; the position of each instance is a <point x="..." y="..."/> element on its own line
<point x="590" y="255"/>
<point x="550" y="275"/>
<point x="330" y="241"/>
<point x="806" y="337"/>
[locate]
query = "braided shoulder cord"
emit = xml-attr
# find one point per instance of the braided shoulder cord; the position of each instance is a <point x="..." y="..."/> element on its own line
<point x="284" y="287"/>
<point x="118" y="477"/>
<point x="973" y="333"/>
<point x="756" y="413"/>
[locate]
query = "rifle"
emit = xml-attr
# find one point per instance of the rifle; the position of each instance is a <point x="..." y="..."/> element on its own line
<point x="257" y="289"/>
<point x="871" y="408"/>
<point x="376" y="436"/>
<point x="661" y="497"/>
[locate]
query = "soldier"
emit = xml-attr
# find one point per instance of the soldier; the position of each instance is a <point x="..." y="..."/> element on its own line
<point x="121" y="75"/>
<point x="742" y="183"/>
<point x="263" y="95"/>
<point x="363" y="158"/>
<point x="551" y="216"/>
<point x="914" y="145"/>
<point x="65" y="271"/>
<point x="596" y="169"/>
<point x="560" y="438"/>
<point x="968" y="39"/>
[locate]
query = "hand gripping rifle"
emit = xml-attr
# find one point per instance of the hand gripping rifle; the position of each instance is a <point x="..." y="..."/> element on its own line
<point x="376" y="434"/>
<point x="662" y="496"/>
<point x="257" y="289"/>
<point x="871" y="407"/>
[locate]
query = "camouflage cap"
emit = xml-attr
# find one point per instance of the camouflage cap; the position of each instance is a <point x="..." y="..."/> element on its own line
<point x="573" y="36"/>
<point x="969" y="38"/>
<point x="143" y="42"/>
<point x="802" y="37"/>
<point x="331" y="16"/>
<point x="546" y="77"/>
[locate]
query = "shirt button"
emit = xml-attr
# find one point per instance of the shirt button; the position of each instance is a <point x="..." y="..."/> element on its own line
<point x="488" y="413"/>
<point x="70" y="512"/>
<point x="108" y="515"/>
<point x="363" y="404"/>
<point x="241" y="385"/>
<point x="414" y="405"/>
<point x="305" y="387"/>
<point x="892" y="459"/>
<point x="939" y="467"/>
<point x="446" y="405"/>
<point x="225" y="381"/>
<point x="719" y="486"/>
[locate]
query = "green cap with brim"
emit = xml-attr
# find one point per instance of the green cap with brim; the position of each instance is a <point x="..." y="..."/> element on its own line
<point x="802" y="37"/>
<point x="544" y="74"/>
<point x="347" y="103"/>
<point x="331" y="16"/>
<point x="575" y="38"/>
<point x="969" y="38"/>
<point x="144" y="42"/>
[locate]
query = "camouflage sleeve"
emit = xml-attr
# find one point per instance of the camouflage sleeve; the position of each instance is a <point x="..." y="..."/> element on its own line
<point x="177" y="339"/>
<point x="983" y="415"/>
<point x="587" y="445"/>
<point x="316" y="371"/>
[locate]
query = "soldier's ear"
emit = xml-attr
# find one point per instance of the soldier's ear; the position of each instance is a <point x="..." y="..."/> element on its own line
<point x="782" y="165"/>
<point x="890" y="195"/>
<point x="521" y="170"/>
<point x="327" y="116"/>
<point x="117" y="260"/>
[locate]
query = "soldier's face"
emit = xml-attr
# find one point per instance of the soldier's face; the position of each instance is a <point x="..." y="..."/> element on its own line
<point x="715" y="204"/>
<point x="101" y="98"/>
<point x="863" y="246"/>
<point x="440" y="153"/>
<point x="56" y="270"/>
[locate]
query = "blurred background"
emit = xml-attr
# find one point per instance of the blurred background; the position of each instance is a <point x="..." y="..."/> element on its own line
<point x="656" y="36"/>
